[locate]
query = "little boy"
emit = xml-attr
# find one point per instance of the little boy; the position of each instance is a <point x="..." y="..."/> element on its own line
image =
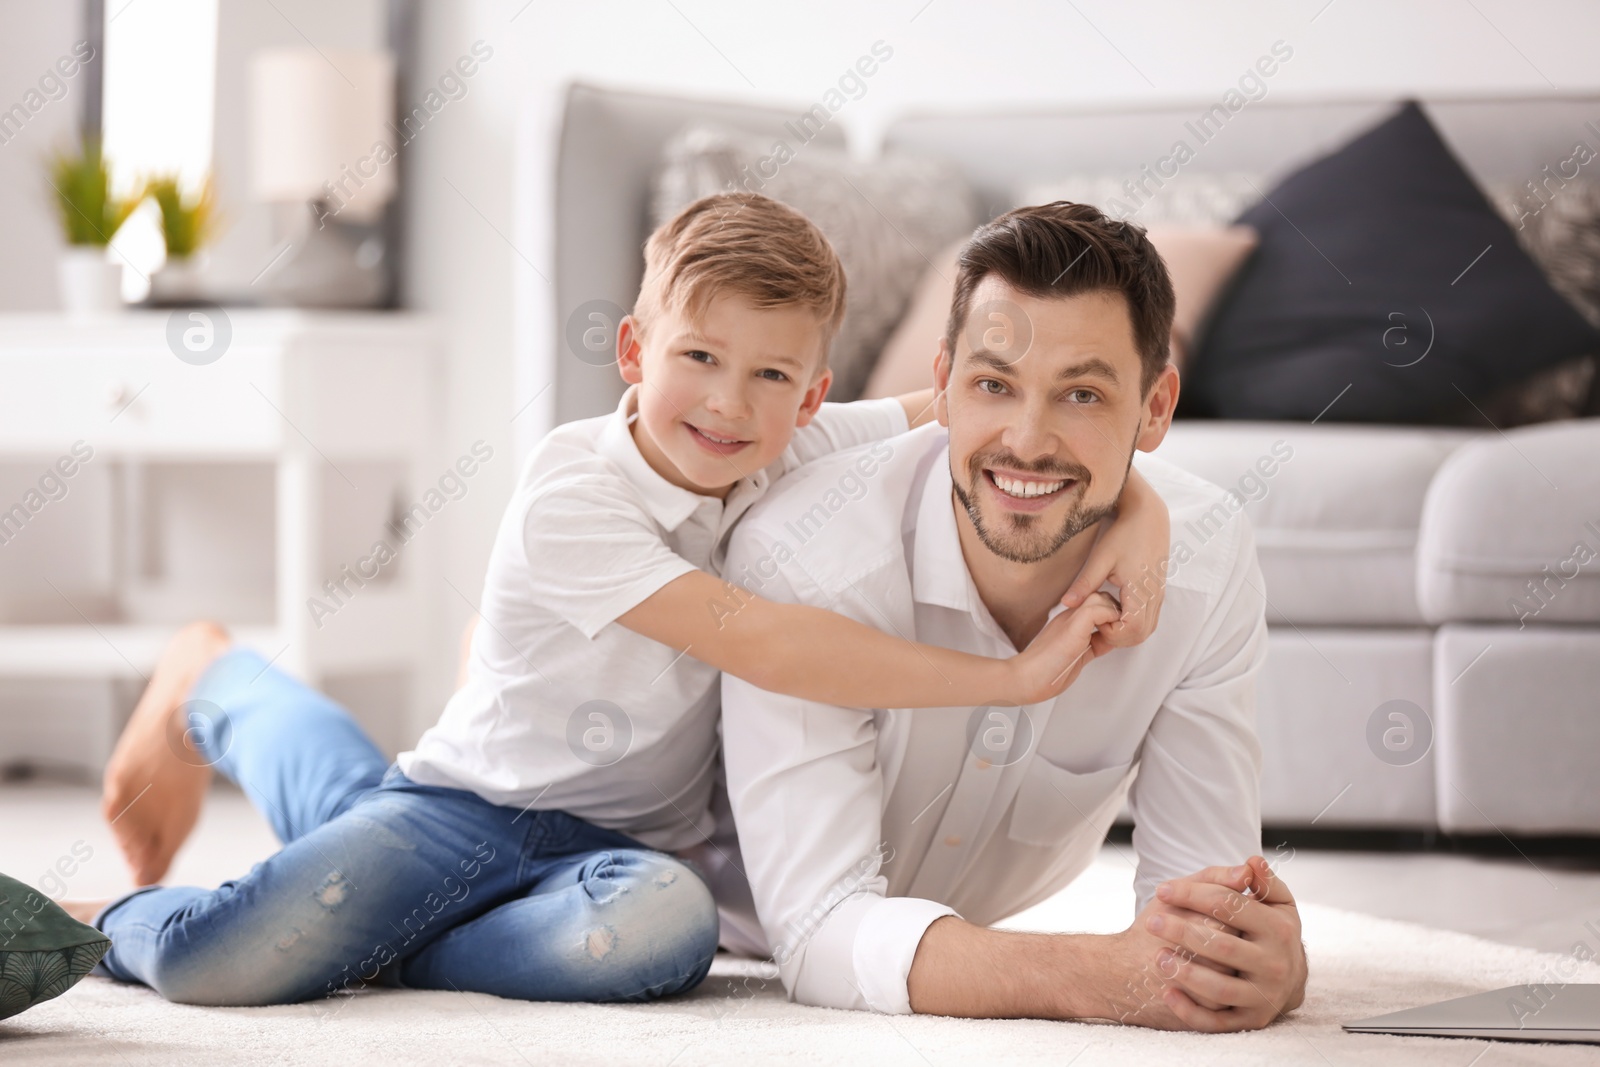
<point x="525" y="846"/>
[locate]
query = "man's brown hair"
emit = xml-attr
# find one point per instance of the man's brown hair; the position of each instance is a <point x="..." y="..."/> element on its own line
<point x="744" y="243"/>
<point x="1063" y="249"/>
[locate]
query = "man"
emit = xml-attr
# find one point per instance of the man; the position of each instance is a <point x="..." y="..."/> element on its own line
<point x="879" y="843"/>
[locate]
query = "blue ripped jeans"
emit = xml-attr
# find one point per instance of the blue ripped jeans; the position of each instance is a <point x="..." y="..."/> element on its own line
<point x="381" y="878"/>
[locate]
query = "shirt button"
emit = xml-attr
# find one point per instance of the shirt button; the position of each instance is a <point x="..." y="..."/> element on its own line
<point x="953" y="841"/>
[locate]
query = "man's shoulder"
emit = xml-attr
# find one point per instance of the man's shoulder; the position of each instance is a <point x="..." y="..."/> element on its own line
<point x="1210" y="529"/>
<point x="839" y="513"/>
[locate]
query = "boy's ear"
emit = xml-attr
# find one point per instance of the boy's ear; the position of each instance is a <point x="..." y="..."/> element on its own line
<point x="1158" y="408"/>
<point x="629" y="351"/>
<point x="815" y="393"/>
<point x="942" y="362"/>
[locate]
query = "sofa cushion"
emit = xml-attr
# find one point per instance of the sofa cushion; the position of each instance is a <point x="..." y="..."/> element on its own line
<point x="1516" y="737"/>
<point x="1560" y="229"/>
<point x="1201" y="261"/>
<point x="1386" y="289"/>
<point x="1335" y="510"/>
<point x="1510" y="529"/>
<point x="1316" y="698"/>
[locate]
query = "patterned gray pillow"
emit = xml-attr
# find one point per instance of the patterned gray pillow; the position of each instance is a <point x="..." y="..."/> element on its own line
<point x="1562" y="235"/>
<point x="1201" y="198"/>
<point x="43" y="950"/>
<point x="887" y="219"/>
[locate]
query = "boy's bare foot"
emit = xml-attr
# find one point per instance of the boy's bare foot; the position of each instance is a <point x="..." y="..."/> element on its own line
<point x="83" y="910"/>
<point x="155" y="780"/>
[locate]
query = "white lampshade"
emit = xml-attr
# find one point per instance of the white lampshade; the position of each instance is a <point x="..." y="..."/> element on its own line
<point x="316" y="118"/>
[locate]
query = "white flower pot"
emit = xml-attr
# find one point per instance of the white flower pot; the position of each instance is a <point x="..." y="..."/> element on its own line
<point x="179" y="281"/>
<point x="91" y="284"/>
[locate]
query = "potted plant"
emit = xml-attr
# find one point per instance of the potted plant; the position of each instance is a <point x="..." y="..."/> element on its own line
<point x="188" y="221"/>
<point x="90" y="216"/>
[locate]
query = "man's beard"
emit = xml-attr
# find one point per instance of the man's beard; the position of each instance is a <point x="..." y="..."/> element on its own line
<point x="1023" y="538"/>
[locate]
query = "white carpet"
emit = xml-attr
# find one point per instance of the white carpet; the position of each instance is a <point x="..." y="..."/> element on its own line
<point x="1360" y="966"/>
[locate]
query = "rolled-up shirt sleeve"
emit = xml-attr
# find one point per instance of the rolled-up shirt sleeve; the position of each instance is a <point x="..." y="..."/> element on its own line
<point x="807" y="796"/>
<point x="1196" y="801"/>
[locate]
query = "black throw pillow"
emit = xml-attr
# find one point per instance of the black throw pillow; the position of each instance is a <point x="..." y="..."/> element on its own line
<point x="1385" y="279"/>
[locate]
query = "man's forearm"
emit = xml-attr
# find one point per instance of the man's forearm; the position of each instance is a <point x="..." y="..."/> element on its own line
<point x="977" y="973"/>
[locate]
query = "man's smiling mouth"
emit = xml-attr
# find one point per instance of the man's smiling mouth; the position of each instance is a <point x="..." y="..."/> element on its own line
<point x="1027" y="488"/>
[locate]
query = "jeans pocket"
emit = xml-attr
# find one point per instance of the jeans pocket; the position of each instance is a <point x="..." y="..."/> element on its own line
<point x="554" y="832"/>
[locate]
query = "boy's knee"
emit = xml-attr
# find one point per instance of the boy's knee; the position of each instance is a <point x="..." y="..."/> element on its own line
<point x="665" y="912"/>
<point x="691" y="898"/>
<point x="669" y="894"/>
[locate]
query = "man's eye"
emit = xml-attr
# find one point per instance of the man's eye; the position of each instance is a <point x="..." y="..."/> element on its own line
<point x="772" y="375"/>
<point x="1084" y="396"/>
<point x="985" y="383"/>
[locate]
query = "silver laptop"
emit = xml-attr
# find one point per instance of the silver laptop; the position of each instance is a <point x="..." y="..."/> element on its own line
<point x="1549" y="1012"/>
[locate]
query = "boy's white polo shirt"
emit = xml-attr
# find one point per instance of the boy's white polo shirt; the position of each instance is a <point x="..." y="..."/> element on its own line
<point x="565" y="708"/>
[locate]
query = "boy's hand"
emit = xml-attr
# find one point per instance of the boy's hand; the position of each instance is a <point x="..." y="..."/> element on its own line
<point x="919" y="407"/>
<point x="1131" y="555"/>
<point x="1056" y="657"/>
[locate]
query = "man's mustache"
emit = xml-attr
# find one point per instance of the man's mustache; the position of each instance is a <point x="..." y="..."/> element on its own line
<point x="1011" y="461"/>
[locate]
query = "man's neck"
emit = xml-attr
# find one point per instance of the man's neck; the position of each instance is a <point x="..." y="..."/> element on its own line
<point x="1020" y="595"/>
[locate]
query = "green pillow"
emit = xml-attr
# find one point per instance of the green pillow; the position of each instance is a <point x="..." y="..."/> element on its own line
<point x="43" y="950"/>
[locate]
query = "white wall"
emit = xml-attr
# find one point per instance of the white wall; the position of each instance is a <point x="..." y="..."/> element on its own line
<point x="32" y="37"/>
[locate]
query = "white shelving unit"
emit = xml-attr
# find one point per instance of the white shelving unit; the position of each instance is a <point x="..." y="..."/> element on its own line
<point x="230" y="489"/>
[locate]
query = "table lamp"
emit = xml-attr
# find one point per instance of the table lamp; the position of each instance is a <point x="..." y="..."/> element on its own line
<point x="323" y="153"/>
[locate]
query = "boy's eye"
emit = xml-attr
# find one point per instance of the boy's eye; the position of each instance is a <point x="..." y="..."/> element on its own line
<point x="772" y="375"/>
<point x="701" y="357"/>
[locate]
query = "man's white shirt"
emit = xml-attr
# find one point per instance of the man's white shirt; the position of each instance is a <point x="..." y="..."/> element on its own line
<point x="861" y="827"/>
<point x="565" y="708"/>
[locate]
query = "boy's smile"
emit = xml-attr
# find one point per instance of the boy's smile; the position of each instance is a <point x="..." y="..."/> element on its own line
<point x="721" y="394"/>
<point x="715" y="444"/>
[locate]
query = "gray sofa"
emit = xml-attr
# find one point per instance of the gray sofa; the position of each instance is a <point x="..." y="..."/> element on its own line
<point x="1404" y="687"/>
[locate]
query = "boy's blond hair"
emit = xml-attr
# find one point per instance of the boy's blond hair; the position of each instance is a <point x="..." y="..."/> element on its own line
<point x="748" y="244"/>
